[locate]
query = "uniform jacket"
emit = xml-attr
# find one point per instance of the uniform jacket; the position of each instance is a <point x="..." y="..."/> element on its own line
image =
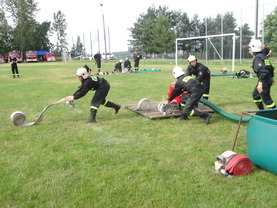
<point x="184" y="83"/>
<point x="262" y="67"/>
<point x="200" y="71"/>
<point x="90" y="83"/>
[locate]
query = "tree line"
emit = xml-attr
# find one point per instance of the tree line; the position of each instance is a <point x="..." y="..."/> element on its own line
<point x="154" y="32"/>
<point x="26" y="33"/>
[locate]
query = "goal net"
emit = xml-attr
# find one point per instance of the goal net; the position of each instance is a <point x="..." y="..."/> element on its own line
<point x="209" y="39"/>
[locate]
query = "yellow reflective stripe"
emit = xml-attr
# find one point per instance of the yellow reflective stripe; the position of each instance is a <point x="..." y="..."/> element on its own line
<point x="270" y="106"/>
<point x="206" y="95"/>
<point x="93" y="107"/>
<point x="267" y="62"/>
<point x="191" y="113"/>
<point x="258" y="101"/>
<point x="182" y="104"/>
<point x="187" y="78"/>
<point x="105" y="102"/>
<point x="94" y="78"/>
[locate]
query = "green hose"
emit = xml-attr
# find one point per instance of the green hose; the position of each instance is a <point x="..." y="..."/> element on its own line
<point x="224" y="113"/>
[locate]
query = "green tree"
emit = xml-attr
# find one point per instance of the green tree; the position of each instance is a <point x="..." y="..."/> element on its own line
<point x="162" y="40"/>
<point x="59" y="26"/>
<point x="77" y="49"/>
<point x="23" y="13"/>
<point x="270" y="28"/>
<point x="5" y="33"/>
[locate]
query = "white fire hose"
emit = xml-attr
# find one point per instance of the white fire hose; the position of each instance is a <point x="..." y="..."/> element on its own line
<point x="18" y="117"/>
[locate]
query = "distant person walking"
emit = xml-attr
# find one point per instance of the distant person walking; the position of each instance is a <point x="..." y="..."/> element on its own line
<point x="266" y="51"/>
<point x="97" y="57"/>
<point x="265" y="73"/>
<point x="14" y="67"/>
<point x="136" y="58"/>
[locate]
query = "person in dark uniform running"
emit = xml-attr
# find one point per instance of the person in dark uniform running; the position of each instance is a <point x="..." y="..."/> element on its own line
<point x="202" y="74"/>
<point x="14" y="67"/>
<point x="194" y="89"/>
<point x="101" y="87"/>
<point x="136" y="58"/>
<point x="97" y="57"/>
<point x="265" y="73"/>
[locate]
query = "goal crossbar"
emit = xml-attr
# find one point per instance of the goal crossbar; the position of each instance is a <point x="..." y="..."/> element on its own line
<point x="207" y="37"/>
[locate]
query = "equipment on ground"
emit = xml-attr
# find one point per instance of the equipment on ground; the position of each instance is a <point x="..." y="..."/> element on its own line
<point x="230" y="163"/>
<point x="18" y="117"/>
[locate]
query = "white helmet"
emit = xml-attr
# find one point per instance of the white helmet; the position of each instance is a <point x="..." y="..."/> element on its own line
<point x="255" y="45"/>
<point x="82" y="72"/>
<point x="191" y="58"/>
<point x="177" y="71"/>
<point x="121" y="61"/>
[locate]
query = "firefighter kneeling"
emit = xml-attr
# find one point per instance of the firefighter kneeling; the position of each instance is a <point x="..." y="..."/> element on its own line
<point x="195" y="92"/>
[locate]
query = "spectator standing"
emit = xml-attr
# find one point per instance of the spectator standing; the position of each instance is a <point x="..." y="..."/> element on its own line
<point x="14" y="67"/>
<point x="97" y="57"/>
<point x="266" y="51"/>
<point x="136" y="58"/>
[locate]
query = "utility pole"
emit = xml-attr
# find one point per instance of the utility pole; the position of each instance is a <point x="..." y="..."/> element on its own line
<point x="104" y="32"/>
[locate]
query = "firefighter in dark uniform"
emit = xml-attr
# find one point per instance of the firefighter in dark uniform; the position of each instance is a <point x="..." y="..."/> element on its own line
<point x="127" y="64"/>
<point x="195" y="91"/>
<point x="14" y="67"/>
<point x="202" y="74"/>
<point x="264" y="70"/>
<point x="136" y="58"/>
<point x="101" y="87"/>
<point x="97" y="57"/>
<point x="118" y="66"/>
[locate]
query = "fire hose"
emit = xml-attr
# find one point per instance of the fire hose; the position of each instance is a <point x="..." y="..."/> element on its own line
<point x="18" y="117"/>
<point x="230" y="163"/>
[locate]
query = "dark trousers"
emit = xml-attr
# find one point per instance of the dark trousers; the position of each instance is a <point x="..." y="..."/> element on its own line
<point x="100" y="95"/>
<point x="14" y="69"/>
<point x="191" y="101"/>
<point x="265" y="94"/>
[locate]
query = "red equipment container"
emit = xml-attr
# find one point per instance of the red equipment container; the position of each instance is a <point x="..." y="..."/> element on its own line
<point x="176" y="99"/>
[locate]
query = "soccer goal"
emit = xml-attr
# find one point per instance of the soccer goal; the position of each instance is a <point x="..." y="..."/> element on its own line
<point x="208" y="38"/>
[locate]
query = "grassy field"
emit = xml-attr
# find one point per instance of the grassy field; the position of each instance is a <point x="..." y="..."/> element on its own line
<point x="124" y="160"/>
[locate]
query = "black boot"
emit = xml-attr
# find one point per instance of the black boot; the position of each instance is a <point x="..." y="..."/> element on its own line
<point x="183" y="117"/>
<point x="206" y="117"/>
<point x="260" y="105"/>
<point x="92" y="116"/>
<point x="273" y="107"/>
<point x="113" y="105"/>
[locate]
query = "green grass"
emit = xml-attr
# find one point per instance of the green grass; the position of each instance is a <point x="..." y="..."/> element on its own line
<point x="124" y="160"/>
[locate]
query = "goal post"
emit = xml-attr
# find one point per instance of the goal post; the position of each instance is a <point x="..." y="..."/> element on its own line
<point x="207" y="37"/>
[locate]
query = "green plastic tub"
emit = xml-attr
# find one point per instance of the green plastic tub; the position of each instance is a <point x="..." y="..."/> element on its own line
<point x="261" y="138"/>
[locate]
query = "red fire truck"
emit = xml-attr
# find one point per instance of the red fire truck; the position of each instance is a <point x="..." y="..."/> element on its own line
<point x="50" y="57"/>
<point x="31" y="56"/>
<point x="16" y="54"/>
<point x="2" y="60"/>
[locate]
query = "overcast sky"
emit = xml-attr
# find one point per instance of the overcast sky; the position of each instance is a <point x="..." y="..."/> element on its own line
<point x="84" y="17"/>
